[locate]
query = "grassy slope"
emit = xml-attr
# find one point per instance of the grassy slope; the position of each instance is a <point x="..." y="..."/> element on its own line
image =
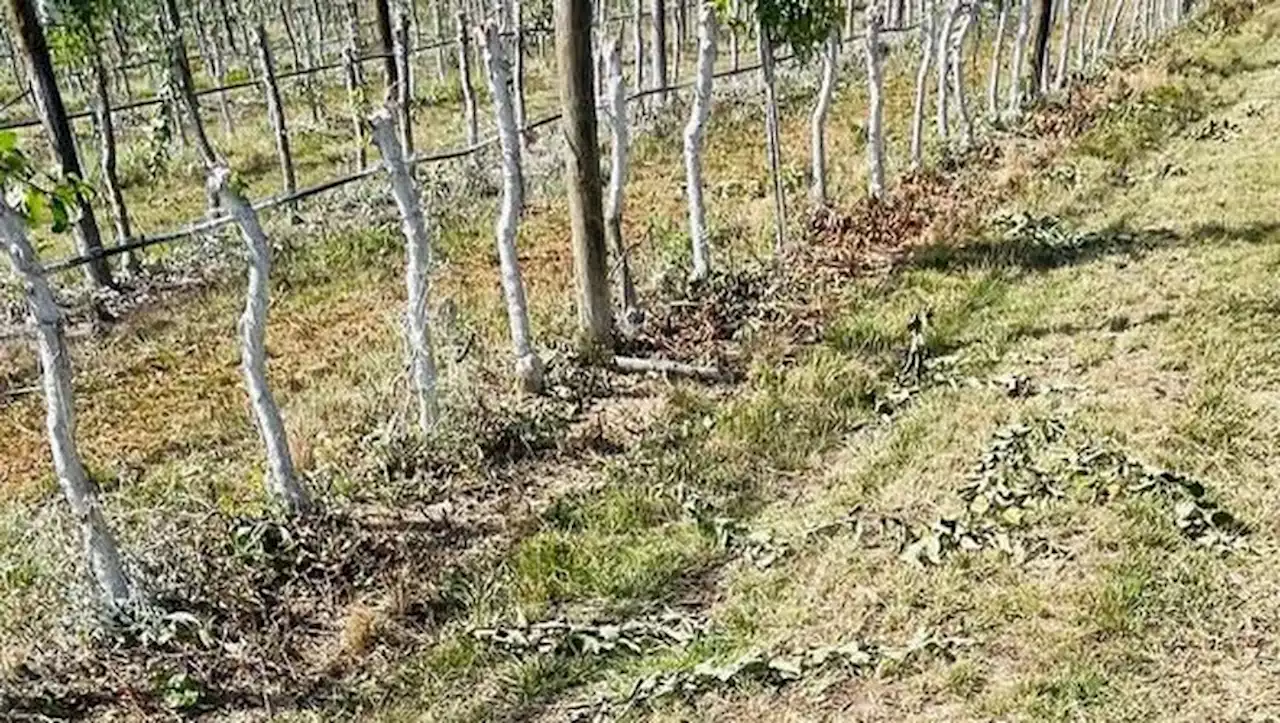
<point x="1171" y="339"/>
<point x="1159" y="334"/>
<point x="1168" y="339"/>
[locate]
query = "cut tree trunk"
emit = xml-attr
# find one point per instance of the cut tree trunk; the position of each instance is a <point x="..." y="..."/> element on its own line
<point x="699" y="112"/>
<point x="528" y="366"/>
<point x="110" y="582"/>
<point x="282" y="480"/>
<point x="958" y="87"/>
<point x="922" y="84"/>
<point x="1014" y="109"/>
<point x="422" y="361"/>
<point x="1082" y="39"/>
<point x="275" y="110"/>
<point x="993" y="76"/>
<point x="767" y="79"/>
<point x="107" y="158"/>
<point x="818" y="121"/>
<point x="468" y="90"/>
<point x="949" y="16"/>
<point x="356" y="99"/>
<point x="1064" y="49"/>
<point x="616" y="98"/>
<point x="875" y="103"/>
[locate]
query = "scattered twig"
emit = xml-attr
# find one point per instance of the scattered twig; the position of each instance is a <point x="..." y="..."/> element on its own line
<point x="635" y="365"/>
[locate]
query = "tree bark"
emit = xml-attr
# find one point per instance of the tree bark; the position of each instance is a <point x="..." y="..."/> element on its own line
<point x="735" y="42"/>
<point x="922" y="84"/>
<point x="437" y="24"/>
<point x="774" y="152"/>
<point x="180" y="67"/>
<point x="53" y="114"/>
<point x="639" y="44"/>
<point x="105" y="567"/>
<point x="317" y="13"/>
<point x="818" y="121"/>
<point x="949" y="16"/>
<point x="219" y="68"/>
<point x="1040" y="58"/>
<point x="617" y="116"/>
<point x="694" y="130"/>
<point x="226" y="26"/>
<point x="1082" y="40"/>
<point x="404" y="85"/>
<point x="289" y="36"/>
<point x="1111" y="26"/>
<point x="528" y="366"/>
<point x="875" y="103"/>
<point x="107" y="157"/>
<point x="1064" y="50"/>
<point x="282" y="480"/>
<point x="582" y="170"/>
<point x="464" y="73"/>
<point x="659" y="11"/>
<point x="517" y="70"/>
<point x="422" y="362"/>
<point x="382" y="12"/>
<point x="993" y="76"/>
<point x="275" y="110"/>
<point x="1019" y="53"/>
<point x="957" y="74"/>
<point x="356" y="99"/>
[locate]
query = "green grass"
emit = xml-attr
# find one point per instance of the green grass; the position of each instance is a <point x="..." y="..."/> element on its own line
<point x="1142" y="312"/>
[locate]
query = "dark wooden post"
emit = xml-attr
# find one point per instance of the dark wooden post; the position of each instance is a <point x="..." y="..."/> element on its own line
<point x="660" y="48"/>
<point x="385" y="41"/>
<point x="582" y="170"/>
<point x="275" y="109"/>
<point x="1041" y="56"/>
<point x="53" y="114"/>
<point x="107" y="136"/>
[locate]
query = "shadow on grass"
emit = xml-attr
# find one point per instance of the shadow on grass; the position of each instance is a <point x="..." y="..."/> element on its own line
<point x="1044" y="246"/>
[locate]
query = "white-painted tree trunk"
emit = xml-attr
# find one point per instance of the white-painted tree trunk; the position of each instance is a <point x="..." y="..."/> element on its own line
<point x="1064" y="49"/>
<point x="616" y="116"/>
<point x="1019" y="54"/>
<point x="993" y="76"/>
<point x="282" y="480"/>
<point x="105" y="567"/>
<point x="875" y="102"/>
<point x="970" y="11"/>
<point x="735" y="42"/>
<point x="528" y="365"/>
<point x="945" y="51"/>
<point x="694" y="130"/>
<point x="1111" y="26"/>
<point x="517" y="69"/>
<point x="1082" y="42"/>
<point x="1100" y="34"/>
<point x="765" y="46"/>
<point x="464" y="75"/>
<point x="422" y="361"/>
<point x="922" y="84"/>
<point x="818" y="121"/>
<point x="638" y="45"/>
